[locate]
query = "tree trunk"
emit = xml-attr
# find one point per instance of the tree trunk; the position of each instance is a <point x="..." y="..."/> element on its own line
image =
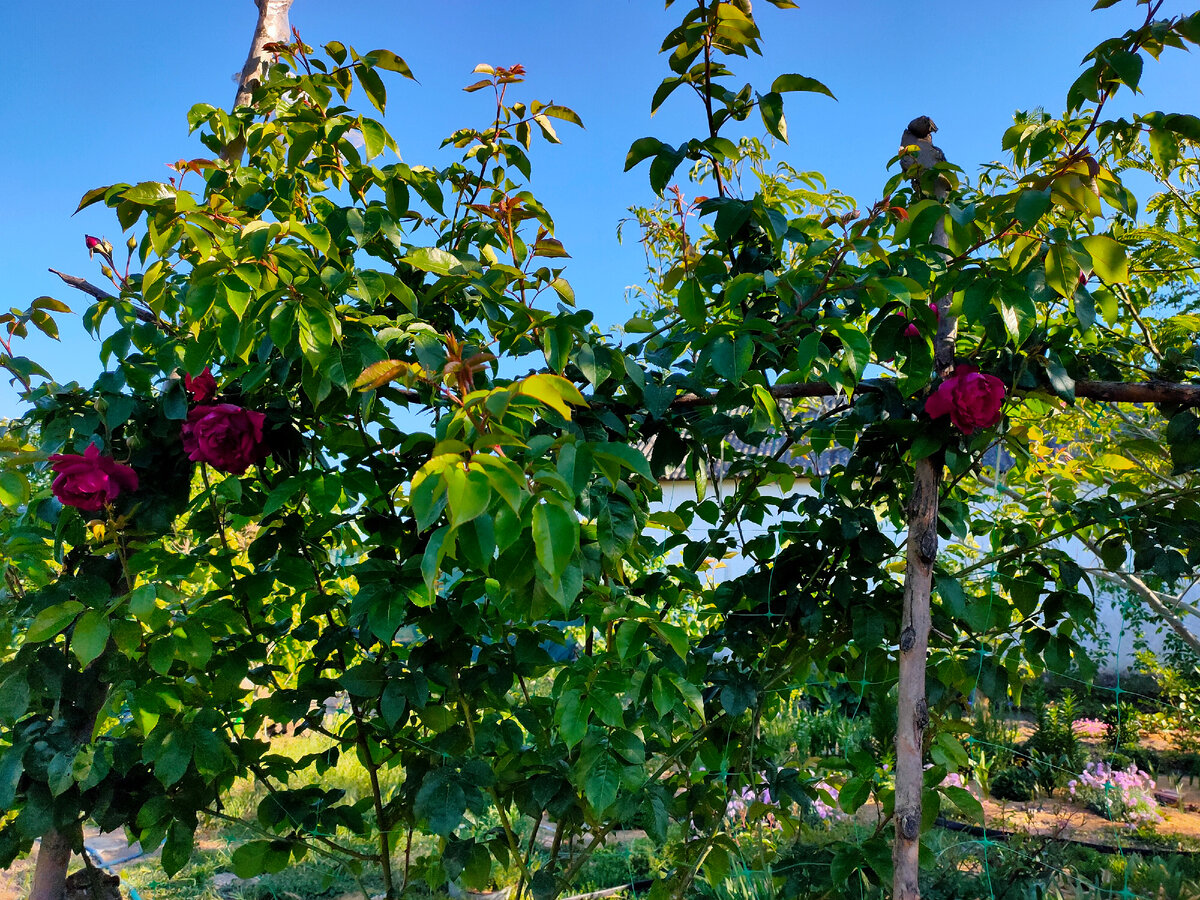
<point x="912" y="713"/>
<point x="272" y="27"/>
<point x="50" y="872"/>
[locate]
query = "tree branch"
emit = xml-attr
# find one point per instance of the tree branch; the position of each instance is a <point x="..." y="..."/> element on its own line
<point x="144" y="315"/>
<point x="1131" y="582"/>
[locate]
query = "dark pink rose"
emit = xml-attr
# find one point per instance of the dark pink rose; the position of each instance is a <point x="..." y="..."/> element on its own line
<point x="225" y="436"/>
<point x="89" y="481"/>
<point x="203" y="387"/>
<point x="971" y="399"/>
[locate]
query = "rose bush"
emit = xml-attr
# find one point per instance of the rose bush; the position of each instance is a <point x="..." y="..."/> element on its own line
<point x="227" y="437"/>
<point x="89" y="481"/>
<point x="972" y="399"/>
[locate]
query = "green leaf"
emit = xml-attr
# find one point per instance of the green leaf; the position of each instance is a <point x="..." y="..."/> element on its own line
<point x="551" y="248"/>
<point x="565" y="113"/>
<point x="642" y="148"/>
<point x="375" y="137"/>
<point x="363" y="680"/>
<point x="854" y="793"/>
<point x="547" y="129"/>
<point x="1032" y="205"/>
<point x="675" y="637"/>
<point x="731" y="360"/>
<point x="555" y="536"/>
<point x="857" y="348"/>
<point x="178" y="849"/>
<point x="52" y="620"/>
<point x="1062" y="270"/>
<point x="468" y="492"/>
<point x="380" y="373"/>
<point x="1108" y="258"/>
<point x="149" y="193"/>
<point x="440" y="802"/>
<point x="572" y="714"/>
<point x="1127" y="66"/>
<point x="93" y="196"/>
<point x="386" y="59"/>
<point x="770" y="107"/>
<point x="663" y="167"/>
<point x="373" y="85"/>
<point x="430" y="259"/>
<point x="173" y="757"/>
<point x="627" y="455"/>
<point x="14" y="489"/>
<point x="603" y="782"/>
<point x="90" y="636"/>
<point x="785" y="83"/>
<point x="691" y="303"/>
<point x="14" y="697"/>
<point x="553" y="390"/>
<point x="256" y="857"/>
<point x="661" y="93"/>
<point x="965" y="801"/>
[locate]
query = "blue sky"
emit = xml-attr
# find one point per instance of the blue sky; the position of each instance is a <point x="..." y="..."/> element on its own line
<point x="96" y="93"/>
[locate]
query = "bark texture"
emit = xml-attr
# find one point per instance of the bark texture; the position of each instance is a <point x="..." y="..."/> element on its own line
<point x="50" y="871"/>
<point x="272" y="27"/>
<point x="912" y="712"/>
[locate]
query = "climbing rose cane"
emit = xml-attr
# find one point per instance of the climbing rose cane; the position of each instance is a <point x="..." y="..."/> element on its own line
<point x="203" y="387"/>
<point x="89" y="481"/>
<point x="225" y="436"/>
<point x="971" y="399"/>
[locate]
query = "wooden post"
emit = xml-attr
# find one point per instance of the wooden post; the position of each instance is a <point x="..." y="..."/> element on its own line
<point x="912" y="715"/>
<point x="272" y="27"/>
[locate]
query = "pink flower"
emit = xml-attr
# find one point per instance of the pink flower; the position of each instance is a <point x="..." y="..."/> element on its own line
<point x="203" y="387"/>
<point x="225" y="436"/>
<point x="971" y="399"/>
<point x="912" y="331"/>
<point x="1090" y="728"/>
<point x="89" y="481"/>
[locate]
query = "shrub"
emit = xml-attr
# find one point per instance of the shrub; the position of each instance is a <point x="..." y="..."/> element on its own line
<point x="1121" y="795"/>
<point x="1014" y="783"/>
<point x="1054" y="748"/>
